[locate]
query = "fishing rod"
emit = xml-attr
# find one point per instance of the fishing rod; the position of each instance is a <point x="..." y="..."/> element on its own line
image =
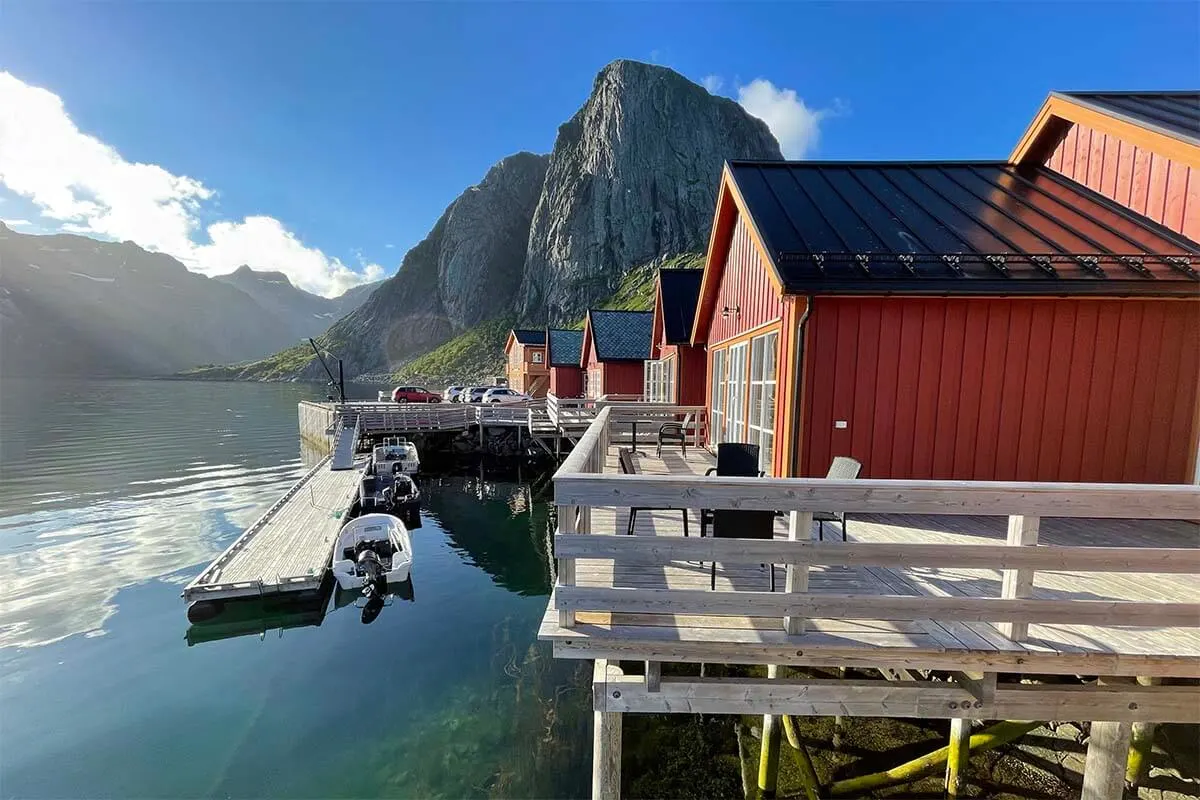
<point x="340" y="380"/>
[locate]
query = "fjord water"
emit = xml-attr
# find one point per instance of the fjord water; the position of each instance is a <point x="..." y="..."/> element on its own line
<point x="113" y="494"/>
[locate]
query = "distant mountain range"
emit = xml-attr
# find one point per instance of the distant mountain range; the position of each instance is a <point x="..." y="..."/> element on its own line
<point x="71" y="305"/>
<point x="632" y="179"/>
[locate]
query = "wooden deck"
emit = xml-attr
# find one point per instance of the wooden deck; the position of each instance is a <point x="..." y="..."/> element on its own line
<point x="1165" y="650"/>
<point x="288" y="548"/>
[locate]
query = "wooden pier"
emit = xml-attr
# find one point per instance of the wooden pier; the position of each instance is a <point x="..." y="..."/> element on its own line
<point x="956" y="600"/>
<point x="287" y="550"/>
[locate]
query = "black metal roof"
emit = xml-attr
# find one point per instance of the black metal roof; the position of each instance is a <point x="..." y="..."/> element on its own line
<point x="529" y="335"/>
<point x="680" y="290"/>
<point x="564" y="348"/>
<point x="1173" y="113"/>
<point x="621" y="335"/>
<point x="955" y="227"/>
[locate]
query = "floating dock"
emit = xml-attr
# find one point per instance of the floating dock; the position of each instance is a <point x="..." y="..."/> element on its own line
<point x="287" y="549"/>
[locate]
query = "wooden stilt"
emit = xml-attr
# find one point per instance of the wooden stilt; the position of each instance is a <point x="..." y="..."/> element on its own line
<point x="768" y="756"/>
<point x="1141" y="742"/>
<point x="839" y="723"/>
<point x="606" y="743"/>
<point x="1104" y="767"/>
<point x="958" y="758"/>
<point x="810" y="783"/>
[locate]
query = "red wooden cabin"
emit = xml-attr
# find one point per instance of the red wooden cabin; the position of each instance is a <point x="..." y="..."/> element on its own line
<point x="677" y="370"/>
<point x="986" y="321"/>
<point x="564" y="349"/>
<point x="616" y="344"/>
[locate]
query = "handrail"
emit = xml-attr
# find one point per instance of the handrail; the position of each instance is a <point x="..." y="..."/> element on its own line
<point x="581" y="484"/>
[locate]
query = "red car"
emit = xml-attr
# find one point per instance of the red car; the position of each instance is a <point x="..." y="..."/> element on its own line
<point x="414" y="394"/>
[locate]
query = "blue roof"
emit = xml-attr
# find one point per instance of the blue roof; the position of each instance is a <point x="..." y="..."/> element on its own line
<point x="564" y="348"/>
<point x="622" y="335"/>
<point x="529" y="335"/>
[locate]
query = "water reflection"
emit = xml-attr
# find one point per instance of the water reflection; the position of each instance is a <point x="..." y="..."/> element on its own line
<point x="138" y="487"/>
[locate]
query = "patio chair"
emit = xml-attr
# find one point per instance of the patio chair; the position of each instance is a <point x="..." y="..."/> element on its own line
<point x="625" y="459"/>
<point x="673" y="433"/>
<point x="734" y="460"/>
<point x="731" y="524"/>
<point x="843" y="468"/>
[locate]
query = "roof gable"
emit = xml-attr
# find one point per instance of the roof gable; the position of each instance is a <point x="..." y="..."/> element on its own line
<point x="619" y="335"/>
<point x="1172" y="113"/>
<point x="564" y="348"/>
<point x="527" y="336"/>
<point x="1165" y="123"/>
<point x="953" y="227"/>
<point x="677" y="294"/>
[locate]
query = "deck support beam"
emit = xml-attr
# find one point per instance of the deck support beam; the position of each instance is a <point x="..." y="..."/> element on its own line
<point x="1104" y="767"/>
<point x="959" y="757"/>
<point x="606" y="738"/>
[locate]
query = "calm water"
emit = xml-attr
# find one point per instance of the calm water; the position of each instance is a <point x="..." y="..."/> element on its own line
<point x="114" y="494"/>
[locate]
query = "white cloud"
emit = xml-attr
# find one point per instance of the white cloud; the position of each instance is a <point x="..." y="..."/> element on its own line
<point x="88" y="187"/>
<point x="795" y="125"/>
<point x="17" y="223"/>
<point x="713" y="83"/>
<point x="389" y="246"/>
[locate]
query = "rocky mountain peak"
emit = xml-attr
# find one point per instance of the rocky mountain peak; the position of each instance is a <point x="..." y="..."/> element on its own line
<point x="633" y="176"/>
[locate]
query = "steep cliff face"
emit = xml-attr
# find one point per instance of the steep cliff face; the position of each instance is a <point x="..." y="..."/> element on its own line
<point x="467" y="269"/>
<point x="633" y="176"/>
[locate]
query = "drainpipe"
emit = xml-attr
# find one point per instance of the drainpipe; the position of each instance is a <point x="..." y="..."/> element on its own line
<point x="798" y="385"/>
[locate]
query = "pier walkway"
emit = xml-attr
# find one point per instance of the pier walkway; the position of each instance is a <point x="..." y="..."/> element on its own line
<point x="288" y="548"/>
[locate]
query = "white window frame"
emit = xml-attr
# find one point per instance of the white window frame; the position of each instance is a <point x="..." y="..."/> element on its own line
<point x="717" y="400"/>
<point x="764" y="372"/>
<point x="538" y="357"/>
<point x="658" y="380"/>
<point x="735" y="411"/>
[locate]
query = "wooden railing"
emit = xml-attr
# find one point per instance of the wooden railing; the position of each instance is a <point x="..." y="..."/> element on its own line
<point x="570" y="412"/>
<point x="580" y="485"/>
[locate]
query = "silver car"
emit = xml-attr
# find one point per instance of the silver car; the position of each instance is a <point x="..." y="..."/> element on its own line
<point x="453" y="394"/>
<point x="475" y="394"/>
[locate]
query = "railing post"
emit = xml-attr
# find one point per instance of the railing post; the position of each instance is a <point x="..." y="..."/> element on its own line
<point x="796" y="582"/>
<point x="1022" y="532"/>
<point x="566" y="566"/>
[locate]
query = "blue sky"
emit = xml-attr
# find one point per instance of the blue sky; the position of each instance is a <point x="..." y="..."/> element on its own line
<point x="351" y="126"/>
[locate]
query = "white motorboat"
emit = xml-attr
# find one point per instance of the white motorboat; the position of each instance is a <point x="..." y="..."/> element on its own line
<point x="395" y="455"/>
<point x="372" y="551"/>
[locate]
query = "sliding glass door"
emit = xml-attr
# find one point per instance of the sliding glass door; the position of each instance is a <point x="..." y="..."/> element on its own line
<point x="762" y="397"/>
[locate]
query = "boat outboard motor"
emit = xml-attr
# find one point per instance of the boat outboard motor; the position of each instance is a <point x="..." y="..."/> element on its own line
<point x="375" y="573"/>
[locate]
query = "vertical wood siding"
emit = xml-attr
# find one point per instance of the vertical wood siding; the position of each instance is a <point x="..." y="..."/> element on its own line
<point x="1164" y="190"/>
<point x="566" y="381"/>
<point x="623" y="377"/>
<point x="691" y="377"/>
<point x="746" y="285"/>
<point x="1092" y="390"/>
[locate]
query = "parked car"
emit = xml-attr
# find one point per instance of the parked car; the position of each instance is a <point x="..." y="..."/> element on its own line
<point x="414" y="394"/>
<point x="502" y="394"/>
<point x="453" y="394"/>
<point x="474" y="394"/>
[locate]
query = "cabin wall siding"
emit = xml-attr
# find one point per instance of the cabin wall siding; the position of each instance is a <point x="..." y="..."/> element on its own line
<point x="745" y="284"/>
<point x="566" y="381"/>
<point x="623" y="377"/>
<point x="691" y="376"/>
<point x="1079" y="389"/>
<point x="1165" y="190"/>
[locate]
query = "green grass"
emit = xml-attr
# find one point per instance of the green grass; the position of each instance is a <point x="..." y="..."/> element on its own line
<point x="473" y="355"/>
<point x="283" y="365"/>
